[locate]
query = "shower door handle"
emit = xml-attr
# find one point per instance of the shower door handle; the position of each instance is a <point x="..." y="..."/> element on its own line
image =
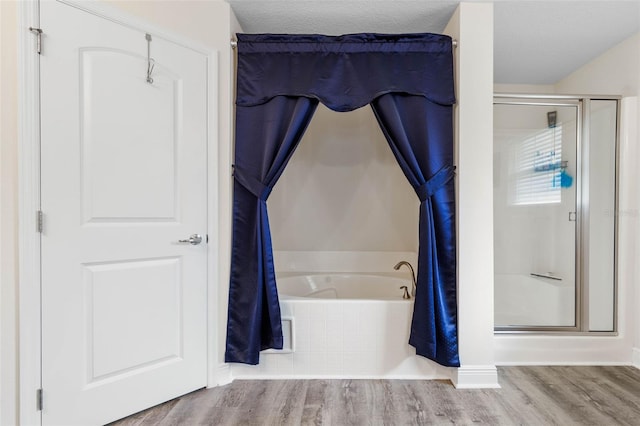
<point x="572" y="216"/>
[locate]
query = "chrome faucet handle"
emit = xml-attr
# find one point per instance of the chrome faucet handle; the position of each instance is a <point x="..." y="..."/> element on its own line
<point x="405" y="295"/>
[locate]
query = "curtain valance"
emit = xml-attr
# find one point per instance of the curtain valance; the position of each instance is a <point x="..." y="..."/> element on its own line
<point x="344" y="72"/>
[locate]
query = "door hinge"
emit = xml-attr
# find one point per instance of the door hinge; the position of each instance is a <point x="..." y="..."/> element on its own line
<point x="39" y="399"/>
<point x="38" y="34"/>
<point x="39" y="221"/>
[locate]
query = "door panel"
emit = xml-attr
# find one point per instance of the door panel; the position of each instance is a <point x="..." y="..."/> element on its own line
<point x="134" y="193"/>
<point x="535" y="208"/>
<point x="123" y="179"/>
<point x="142" y="297"/>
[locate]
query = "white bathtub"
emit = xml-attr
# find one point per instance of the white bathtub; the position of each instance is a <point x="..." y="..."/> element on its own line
<point x="344" y="325"/>
<point x="342" y="286"/>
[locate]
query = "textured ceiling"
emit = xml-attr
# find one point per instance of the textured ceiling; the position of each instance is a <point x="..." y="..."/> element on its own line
<point x="342" y="17"/>
<point x="536" y="42"/>
<point x="541" y="42"/>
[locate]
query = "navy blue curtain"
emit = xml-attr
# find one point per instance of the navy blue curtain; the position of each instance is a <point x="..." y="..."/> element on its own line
<point x="266" y="136"/>
<point x="408" y="80"/>
<point x="417" y="131"/>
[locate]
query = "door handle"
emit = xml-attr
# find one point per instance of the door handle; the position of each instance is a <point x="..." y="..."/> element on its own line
<point x="194" y="240"/>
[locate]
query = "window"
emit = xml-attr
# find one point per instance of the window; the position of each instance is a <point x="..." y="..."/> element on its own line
<point x="536" y="170"/>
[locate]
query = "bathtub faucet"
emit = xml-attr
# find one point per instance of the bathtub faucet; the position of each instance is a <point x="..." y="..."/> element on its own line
<point x="413" y="275"/>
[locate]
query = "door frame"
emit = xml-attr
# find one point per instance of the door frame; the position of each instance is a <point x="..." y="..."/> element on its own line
<point x="29" y="248"/>
<point x="578" y="297"/>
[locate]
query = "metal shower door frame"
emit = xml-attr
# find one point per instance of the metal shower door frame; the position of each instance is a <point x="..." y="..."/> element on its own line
<point x="581" y="293"/>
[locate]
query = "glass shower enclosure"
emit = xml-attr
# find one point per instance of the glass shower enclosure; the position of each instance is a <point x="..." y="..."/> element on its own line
<point x="554" y="213"/>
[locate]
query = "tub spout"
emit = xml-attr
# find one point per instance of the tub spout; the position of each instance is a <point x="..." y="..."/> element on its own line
<point x="413" y="275"/>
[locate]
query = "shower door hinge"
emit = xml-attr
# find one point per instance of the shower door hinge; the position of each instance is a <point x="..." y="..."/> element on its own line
<point x="572" y="216"/>
<point x="39" y="399"/>
<point x="38" y="34"/>
<point x="39" y="221"/>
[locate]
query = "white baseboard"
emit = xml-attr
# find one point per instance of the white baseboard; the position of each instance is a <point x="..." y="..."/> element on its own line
<point x="636" y="357"/>
<point x="561" y="350"/>
<point x="222" y="376"/>
<point x="475" y="377"/>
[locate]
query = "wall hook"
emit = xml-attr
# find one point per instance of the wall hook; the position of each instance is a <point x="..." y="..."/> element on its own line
<point x="151" y="63"/>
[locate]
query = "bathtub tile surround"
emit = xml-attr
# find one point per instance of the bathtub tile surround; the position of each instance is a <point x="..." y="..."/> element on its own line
<point x="352" y="338"/>
<point x="371" y="342"/>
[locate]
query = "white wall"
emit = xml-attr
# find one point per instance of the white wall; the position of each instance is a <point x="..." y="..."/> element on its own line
<point x="615" y="72"/>
<point x="472" y="26"/>
<point x="343" y="190"/>
<point x="524" y="88"/>
<point x="8" y="213"/>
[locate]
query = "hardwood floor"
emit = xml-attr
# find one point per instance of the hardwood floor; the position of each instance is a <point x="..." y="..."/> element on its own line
<point x="529" y="396"/>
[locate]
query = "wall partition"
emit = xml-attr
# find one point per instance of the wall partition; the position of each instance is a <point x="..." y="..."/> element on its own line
<point x="555" y="203"/>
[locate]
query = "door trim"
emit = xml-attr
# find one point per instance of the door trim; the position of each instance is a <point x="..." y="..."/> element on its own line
<point x="28" y="204"/>
<point x="29" y="267"/>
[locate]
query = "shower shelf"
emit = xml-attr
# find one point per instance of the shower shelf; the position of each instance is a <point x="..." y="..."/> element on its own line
<point x="548" y="276"/>
<point x="551" y="166"/>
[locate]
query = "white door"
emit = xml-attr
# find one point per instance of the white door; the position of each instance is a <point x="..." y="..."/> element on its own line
<point x="123" y="179"/>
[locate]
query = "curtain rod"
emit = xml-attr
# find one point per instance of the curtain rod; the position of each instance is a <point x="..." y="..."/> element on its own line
<point x="234" y="43"/>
